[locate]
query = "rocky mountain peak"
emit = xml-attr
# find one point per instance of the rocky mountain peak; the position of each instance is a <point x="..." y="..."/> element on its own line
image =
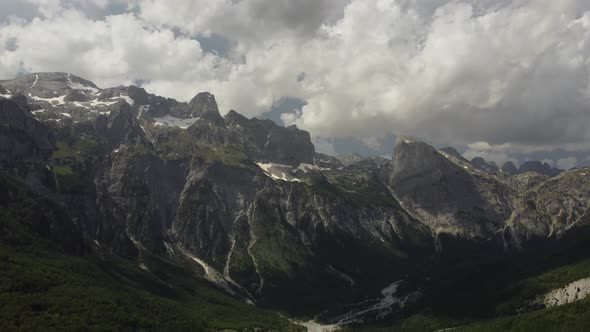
<point x="539" y="167"/>
<point x="139" y="95"/>
<point x="411" y="156"/>
<point x="120" y="127"/>
<point x="266" y="141"/>
<point x="50" y="85"/>
<point x="453" y="152"/>
<point x="234" y="118"/>
<point x="446" y="193"/>
<point x="509" y="168"/>
<point x="204" y="106"/>
<point x="482" y="164"/>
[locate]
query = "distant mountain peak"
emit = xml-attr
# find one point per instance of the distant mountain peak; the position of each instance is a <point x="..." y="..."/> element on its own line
<point x="204" y="106"/>
<point x="405" y="139"/>
<point x="484" y="165"/>
<point x="453" y="152"/>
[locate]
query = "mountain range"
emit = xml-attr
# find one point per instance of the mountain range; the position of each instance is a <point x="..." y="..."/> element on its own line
<point x="196" y="221"/>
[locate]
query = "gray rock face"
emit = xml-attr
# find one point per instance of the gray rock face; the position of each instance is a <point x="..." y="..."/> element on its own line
<point x="140" y="96"/>
<point x="193" y="191"/>
<point x="213" y="200"/>
<point x="22" y="138"/>
<point x="482" y="164"/>
<point x="538" y="167"/>
<point x="4" y="93"/>
<point x="49" y="85"/>
<point x="530" y="167"/>
<point x="111" y="93"/>
<point x="238" y="219"/>
<point x="265" y="141"/>
<point x="453" y="152"/>
<point x="120" y="127"/>
<point x="137" y="196"/>
<point x="445" y="195"/>
<point x="349" y="159"/>
<point x="204" y="106"/>
<point x="509" y="168"/>
<point x="326" y="161"/>
<point x="551" y="208"/>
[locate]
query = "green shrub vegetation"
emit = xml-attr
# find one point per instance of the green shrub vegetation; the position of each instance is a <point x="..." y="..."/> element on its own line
<point x="66" y="178"/>
<point x="52" y="291"/>
<point x="571" y="317"/>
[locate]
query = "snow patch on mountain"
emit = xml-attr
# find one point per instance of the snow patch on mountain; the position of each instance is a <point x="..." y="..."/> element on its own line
<point x="175" y="122"/>
<point x="36" y="80"/>
<point x="80" y="86"/>
<point x="79" y="104"/>
<point x="142" y="109"/>
<point x="307" y="167"/>
<point x="128" y="99"/>
<point x="278" y="171"/>
<point x="97" y="102"/>
<point x="53" y="101"/>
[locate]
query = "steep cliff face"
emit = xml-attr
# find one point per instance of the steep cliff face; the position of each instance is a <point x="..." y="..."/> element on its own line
<point x="509" y="168"/>
<point x="482" y="164"/>
<point x="137" y="197"/>
<point x="538" y="167"/>
<point x="204" y="106"/>
<point x="252" y="207"/>
<point x="265" y="141"/>
<point x="120" y="127"/>
<point x="448" y="195"/>
<point x="278" y="238"/>
<point x="197" y="193"/>
<point x="22" y="138"/>
<point x="551" y="208"/>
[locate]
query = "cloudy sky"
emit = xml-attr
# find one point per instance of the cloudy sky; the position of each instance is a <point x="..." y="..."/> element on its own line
<point x="503" y="79"/>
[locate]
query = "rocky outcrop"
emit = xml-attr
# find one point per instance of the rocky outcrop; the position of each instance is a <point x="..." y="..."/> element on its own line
<point x="575" y="291"/>
<point x="265" y="141"/>
<point x="551" y="208"/>
<point x="326" y="161"/>
<point x="349" y="159"/>
<point x="4" y="93"/>
<point x="204" y="106"/>
<point x="201" y="189"/>
<point x="445" y="195"/>
<point x="49" y="85"/>
<point x="22" y="138"/>
<point x="538" y="167"/>
<point x="509" y="168"/>
<point x="120" y="127"/>
<point x="482" y="164"/>
<point x="137" y="197"/>
<point x="453" y="152"/>
<point x="530" y="167"/>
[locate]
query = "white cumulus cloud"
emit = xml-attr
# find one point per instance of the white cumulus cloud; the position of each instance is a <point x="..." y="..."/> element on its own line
<point x="496" y="77"/>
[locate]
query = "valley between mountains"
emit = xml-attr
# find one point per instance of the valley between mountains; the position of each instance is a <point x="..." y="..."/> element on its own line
<point x="123" y="210"/>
